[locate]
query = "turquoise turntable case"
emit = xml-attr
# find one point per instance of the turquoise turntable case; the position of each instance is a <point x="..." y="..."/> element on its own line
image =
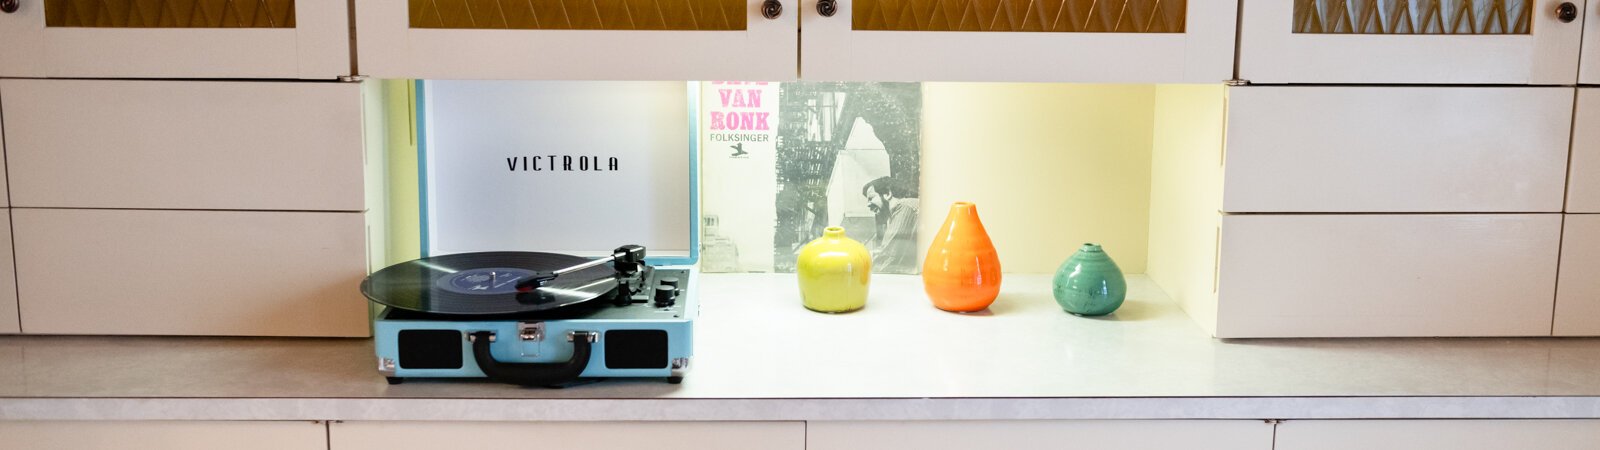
<point x="644" y="340"/>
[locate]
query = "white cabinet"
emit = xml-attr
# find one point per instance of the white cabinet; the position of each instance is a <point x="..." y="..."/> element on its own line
<point x="1397" y="41"/>
<point x="308" y="39"/>
<point x="584" y="39"/>
<point x="162" y="435"/>
<point x="1373" y="275"/>
<point x="584" y="435"/>
<point x="1438" y="434"/>
<point x="1583" y="190"/>
<point x="1137" y="41"/>
<point x="1040" y="435"/>
<point x="153" y="272"/>
<point x="1396" y="149"/>
<point x="184" y="144"/>
<point x="1578" y="291"/>
<point x="1590" y="72"/>
<point x="8" y="279"/>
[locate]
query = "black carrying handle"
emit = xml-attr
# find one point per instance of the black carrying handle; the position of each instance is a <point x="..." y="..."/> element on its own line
<point x="532" y="374"/>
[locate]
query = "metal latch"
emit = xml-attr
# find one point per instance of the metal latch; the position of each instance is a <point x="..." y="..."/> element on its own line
<point x="531" y="331"/>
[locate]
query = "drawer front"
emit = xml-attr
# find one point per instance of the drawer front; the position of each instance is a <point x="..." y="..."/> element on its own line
<point x="1368" y="41"/>
<point x="190" y="272"/>
<point x="307" y="39"/>
<point x="1396" y="149"/>
<point x="1583" y="191"/>
<point x="584" y="435"/>
<point x="1041" y="435"/>
<point x="184" y="144"/>
<point x="8" y="280"/>
<point x="1438" y="434"/>
<point x="162" y="435"/>
<point x="1578" y="292"/>
<point x="1387" y="275"/>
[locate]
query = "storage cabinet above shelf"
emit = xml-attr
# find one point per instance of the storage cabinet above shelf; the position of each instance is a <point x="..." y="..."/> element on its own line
<point x="305" y="39"/>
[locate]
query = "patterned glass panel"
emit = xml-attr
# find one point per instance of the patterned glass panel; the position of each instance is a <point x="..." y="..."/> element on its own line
<point x="169" y="13"/>
<point x="1063" y="16"/>
<point x="684" y="15"/>
<point x="1413" y="16"/>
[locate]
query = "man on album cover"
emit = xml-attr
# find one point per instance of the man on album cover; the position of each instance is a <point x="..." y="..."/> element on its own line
<point x="894" y="246"/>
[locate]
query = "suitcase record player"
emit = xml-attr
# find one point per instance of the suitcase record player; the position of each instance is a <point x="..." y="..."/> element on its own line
<point x="490" y="182"/>
<point x="534" y="319"/>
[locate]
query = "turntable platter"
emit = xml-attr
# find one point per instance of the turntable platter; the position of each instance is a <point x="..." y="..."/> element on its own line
<point x="486" y="283"/>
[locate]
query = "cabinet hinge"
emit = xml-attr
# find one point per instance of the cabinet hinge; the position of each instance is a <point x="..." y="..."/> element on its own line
<point x="1237" y="82"/>
<point x="352" y="78"/>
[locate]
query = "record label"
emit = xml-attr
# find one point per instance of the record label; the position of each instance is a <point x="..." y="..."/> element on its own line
<point x="490" y="281"/>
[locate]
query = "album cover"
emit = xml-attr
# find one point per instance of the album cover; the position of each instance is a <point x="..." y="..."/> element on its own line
<point x="783" y="161"/>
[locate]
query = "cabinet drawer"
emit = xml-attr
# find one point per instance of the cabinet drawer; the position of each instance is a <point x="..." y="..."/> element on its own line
<point x="1578" y="292"/>
<point x="184" y="144"/>
<point x="1396" y="149"/>
<point x="8" y="279"/>
<point x="584" y="435"/>
<point x="162" y="435"/>
<point x="308" y="39"/>
<point x="1387" y="275"/>
<point x="1031" y="435"/>
<point x="1343" y="41"/>
<point x="1438" y="434"/>
<point x="190" y="272"/>
<point x="1583" y="191"/>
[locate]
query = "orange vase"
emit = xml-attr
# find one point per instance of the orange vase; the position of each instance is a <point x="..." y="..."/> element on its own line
<point x="962" y="272"/>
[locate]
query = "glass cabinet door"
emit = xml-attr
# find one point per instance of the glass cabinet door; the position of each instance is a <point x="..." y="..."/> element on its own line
<point x="1411" y="41"/>
<point x="308" y="39"/>
<point x="1589" y="73"/>
<point x="1019" y="40"/>
<point x="578" y="39"/>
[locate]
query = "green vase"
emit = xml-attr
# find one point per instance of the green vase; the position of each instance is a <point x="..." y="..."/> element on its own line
<point x="1090" y="283"/>
<point x="834" y="271"/>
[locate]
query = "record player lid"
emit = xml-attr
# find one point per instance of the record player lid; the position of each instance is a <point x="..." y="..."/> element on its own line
<point x="559" y="166"/>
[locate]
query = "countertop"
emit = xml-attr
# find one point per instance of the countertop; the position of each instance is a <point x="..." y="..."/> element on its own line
<point x="760" y="356"/>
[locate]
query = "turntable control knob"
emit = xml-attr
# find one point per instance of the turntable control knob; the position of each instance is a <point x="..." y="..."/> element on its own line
<point x="669" y="281"/>
<point x="666" y="295"/>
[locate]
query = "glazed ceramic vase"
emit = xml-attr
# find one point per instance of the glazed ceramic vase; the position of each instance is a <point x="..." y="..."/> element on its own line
<point x="962" y="271"/>
<point x="1089" y="283"/>
<point x="834" y="271"/>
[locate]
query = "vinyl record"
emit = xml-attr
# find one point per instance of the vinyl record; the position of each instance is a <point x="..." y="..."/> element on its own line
<point x="485" y="283"/>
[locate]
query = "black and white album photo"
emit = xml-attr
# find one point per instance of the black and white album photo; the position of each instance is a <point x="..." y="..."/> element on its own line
<point x="833" y="154"/>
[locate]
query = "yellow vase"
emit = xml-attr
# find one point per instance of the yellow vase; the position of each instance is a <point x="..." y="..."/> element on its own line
<point x="834" y="271"/>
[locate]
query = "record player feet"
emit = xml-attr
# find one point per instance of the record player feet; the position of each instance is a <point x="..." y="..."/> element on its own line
<point x="675" y="380"/>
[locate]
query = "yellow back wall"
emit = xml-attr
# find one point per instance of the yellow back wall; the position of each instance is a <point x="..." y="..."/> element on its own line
<point x="1050" y="167"/>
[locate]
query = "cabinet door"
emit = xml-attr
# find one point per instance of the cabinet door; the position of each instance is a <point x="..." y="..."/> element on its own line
<point x="1406" y="41"/>
<point x="1583" y="190"/>
<point x="163" y="435"/>
<point x="8" y="279"/>
<point x="582" y="39"/>
<point x="1374" y="275"/>
<point x="184" y="144"/>
<point x="152" y="272"/>
<point x="1578" y="291"/>
<point x="1396" y="149"/>
<point x="577" y="435"/>
<point x="1438" y="434"/>
<point x="307" y="39"/>
<point x="1590" y="73"/>
<point x="1135" y="41"/>
<point x="1040" y="435"/>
